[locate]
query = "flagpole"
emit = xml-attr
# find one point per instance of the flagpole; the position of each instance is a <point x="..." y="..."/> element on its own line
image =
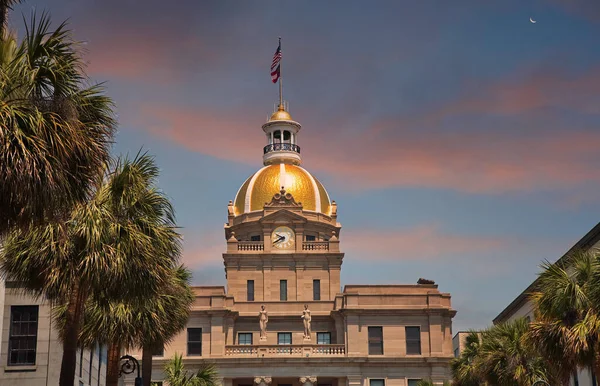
<point x="280" y="82"/>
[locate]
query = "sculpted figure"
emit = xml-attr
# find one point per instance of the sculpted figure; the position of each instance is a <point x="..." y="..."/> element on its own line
<point x="263" y="319"/>
<point x="306" y="319"/>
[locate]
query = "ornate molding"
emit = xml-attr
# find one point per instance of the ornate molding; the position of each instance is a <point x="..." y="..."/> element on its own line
<point x="309" y="379"/>
<point x="283" y="199"/>
<point x="262" y="379"/>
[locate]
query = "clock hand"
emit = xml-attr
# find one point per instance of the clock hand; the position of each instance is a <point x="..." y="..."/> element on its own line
<point x="281" y="238"/>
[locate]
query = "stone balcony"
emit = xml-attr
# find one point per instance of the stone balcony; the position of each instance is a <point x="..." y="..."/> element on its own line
<point x="305" y="247"/>
<point x="304" y="350"/>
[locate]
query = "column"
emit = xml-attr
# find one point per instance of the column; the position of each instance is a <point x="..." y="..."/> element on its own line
<point x="308" y="381"/>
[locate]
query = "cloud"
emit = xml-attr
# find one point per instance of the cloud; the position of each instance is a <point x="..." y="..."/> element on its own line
<point x="203" y="249"/>
<point x="423" y="242"/>
<point x="492" y="139"/>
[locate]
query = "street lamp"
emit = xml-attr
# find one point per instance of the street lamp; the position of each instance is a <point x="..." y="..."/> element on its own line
<point x="540" y="382"/>
<point x="130" y="365"/>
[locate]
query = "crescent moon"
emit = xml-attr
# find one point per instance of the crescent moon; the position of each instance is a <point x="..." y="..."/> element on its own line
<point x="533" y="21"/>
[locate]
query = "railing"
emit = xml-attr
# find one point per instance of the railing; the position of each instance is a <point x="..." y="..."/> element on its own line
<point x="281" y="147"/>
<point x="323" y="350"/>
<point x="251" y="245"/>
<point x="315" y="245"/>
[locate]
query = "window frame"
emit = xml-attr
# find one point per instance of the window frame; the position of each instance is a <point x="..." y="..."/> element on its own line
<point x="323" y="333"/>
<point x="245" y="334"/>
<point x="161" y="351"/>
<point x="377" y="379"/>
<point x="310" y="238"/>
<point x="316" y="289"/>
<point x="35" y="309"/>
<point x="413" y="379"/>
<point x="248" y="297"/>
<point x="283" y="295"/>
<point x="371" y="341"/>
<point x="188" y="342"/>
<point x="280" y="334"/>
<point x="412" y="340"/>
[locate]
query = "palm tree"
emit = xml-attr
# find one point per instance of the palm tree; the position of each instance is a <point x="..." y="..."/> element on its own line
<point x="5" y="6"/>
<point x="567" y="306"/>
<point x="176" y="375"/>
<point x="140" y="321"/>
<point x="56" y="127"/>
<point x="464" y="370"/>
<point x="121" y="243"/>
<point x="174" y="304"/>
<point x="506" y="358"/>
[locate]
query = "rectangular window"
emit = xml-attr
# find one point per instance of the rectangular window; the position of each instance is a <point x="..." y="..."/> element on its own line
<point x="375" y="340"/>
<point x="311" y="238"/>
<point x="245" y="338"/>
<point x="250" y="290"/>
<point x="158" y="351"/>
<point x="282" y="290"/>
<point x="413" y="340"/>
<point x="323" y="338"/>
<point x="316" y="289"/>
<point x="255" y="238"/>
<point x="413" y="382"/>
<point x="284" y="338"/>
<point x="376" y="382"/>
<point x="194" y="342"/>
<point x="22" y="340"/>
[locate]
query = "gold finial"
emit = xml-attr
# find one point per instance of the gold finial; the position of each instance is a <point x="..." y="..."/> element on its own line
<point x="280" y="114"/>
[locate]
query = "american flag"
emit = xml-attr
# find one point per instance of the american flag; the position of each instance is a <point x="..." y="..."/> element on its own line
<point x="275" y="65"/>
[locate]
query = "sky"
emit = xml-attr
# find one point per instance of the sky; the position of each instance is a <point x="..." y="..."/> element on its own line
<point x="460" y="140"/>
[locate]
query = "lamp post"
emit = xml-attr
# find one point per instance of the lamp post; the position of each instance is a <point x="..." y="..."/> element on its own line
<point x="130" y="365"/>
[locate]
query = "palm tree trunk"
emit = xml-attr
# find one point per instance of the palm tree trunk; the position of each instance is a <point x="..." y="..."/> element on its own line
<point x="147" y="364"/>
<point x="112" y="364"/>
<point x="73" y="318"/>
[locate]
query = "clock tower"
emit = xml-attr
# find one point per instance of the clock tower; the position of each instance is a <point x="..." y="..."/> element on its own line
<point x="282" y="231"/>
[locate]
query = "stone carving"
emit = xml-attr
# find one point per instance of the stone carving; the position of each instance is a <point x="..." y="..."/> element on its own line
<point x="262" y="380"/>
<point x="283" y="199"/>
<point x="308" y="381"/>
<point x="333" y="208"/>
<point x="263" y="319"/>
<point x="425" y="281"/>
<point x="230" y="209"/>
<point x="306" y="319"/>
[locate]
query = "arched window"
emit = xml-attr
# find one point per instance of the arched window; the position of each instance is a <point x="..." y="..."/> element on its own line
<point x="287" y="136"/>
<point x="277" y="137"/>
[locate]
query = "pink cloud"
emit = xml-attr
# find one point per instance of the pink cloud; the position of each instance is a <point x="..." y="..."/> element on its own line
<point x="203" y="249"/>
<point x="424" y="242"/>
<point x="415" y="151"/>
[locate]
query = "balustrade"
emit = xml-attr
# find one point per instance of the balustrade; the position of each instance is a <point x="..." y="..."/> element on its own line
<point x="315" y="246"/>
<point x="281" y="147"/>
<point x="251" y="246"/>
<point x="325" y="350"/>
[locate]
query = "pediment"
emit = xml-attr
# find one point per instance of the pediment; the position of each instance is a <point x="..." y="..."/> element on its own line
<point x="283" y="216"/>
<point x="283" y="200"/>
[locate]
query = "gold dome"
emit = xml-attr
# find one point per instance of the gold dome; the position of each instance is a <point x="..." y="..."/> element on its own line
<point x="280" y="115"/>
<point x="260" y="187"/>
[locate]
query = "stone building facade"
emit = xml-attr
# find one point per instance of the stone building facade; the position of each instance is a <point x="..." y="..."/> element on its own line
<point x="283" y="318"/>
<point x="30" y="351"/>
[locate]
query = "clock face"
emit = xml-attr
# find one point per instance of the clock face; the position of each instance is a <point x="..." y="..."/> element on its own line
<point x="283" y="238"/>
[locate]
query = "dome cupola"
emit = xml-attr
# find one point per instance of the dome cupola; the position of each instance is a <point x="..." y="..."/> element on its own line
<point x="282" y="139"/>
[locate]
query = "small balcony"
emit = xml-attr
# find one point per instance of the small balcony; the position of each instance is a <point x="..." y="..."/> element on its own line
<point x="281" y="147"/>
<point x="251" y="246"/>
<point x="315" y="246"/>
<point x="306" y="350"/>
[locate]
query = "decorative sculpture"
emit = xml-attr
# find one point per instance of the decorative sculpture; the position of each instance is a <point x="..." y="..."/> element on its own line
<point x="263" y="319"/>
<point x="306" y="319"/>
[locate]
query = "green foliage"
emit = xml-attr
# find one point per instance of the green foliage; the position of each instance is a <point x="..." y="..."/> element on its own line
<point x="56" y="129"/>
<point x="567" y="306"/>
<point x="177" y="375"/>
<point x="500" y="355"/>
